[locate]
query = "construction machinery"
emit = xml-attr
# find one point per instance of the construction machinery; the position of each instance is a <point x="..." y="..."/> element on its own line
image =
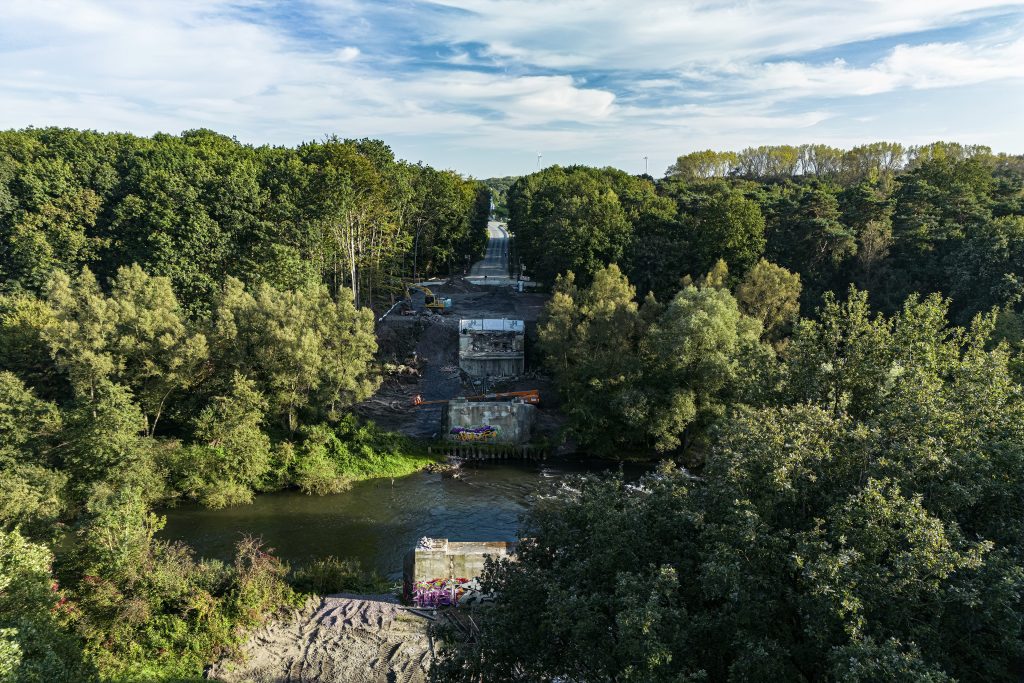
<point x="531" y="396"/>
<point x="439" y="304"/>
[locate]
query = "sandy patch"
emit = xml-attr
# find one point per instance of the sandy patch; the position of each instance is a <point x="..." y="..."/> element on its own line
<point x="340" y="638"/>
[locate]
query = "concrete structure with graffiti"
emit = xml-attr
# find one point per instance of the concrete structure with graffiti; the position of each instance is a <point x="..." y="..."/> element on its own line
<point x="439" y="572"/>
<point x="491" y="422"/>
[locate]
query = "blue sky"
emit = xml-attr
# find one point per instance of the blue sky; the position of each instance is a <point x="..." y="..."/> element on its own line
<point x="482" y="86"/>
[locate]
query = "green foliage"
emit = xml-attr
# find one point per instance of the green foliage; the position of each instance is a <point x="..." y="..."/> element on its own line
<point x="862" y="525"/>
<point x="331" y="457"/>
<point x="156" y="352"/>
<point x="704" y="164"/>
<point x="200" y="206"/>
<point x="639" y="377"/>
<point x="729" y="227"/>
<point x="597" y="592"/>
<point x="83" y="325"/>
<point x="306" y="352"/>
<point x="589" y="337"/>
<point x="23" y="346"/>
<point x="26" y="422"/>
<point x="328" y="575"/>
<point x="770" y="294"/>
<point x="147" y="610"/>
<point x="34" y="492"/>
<point x="807" y="236"/>
<point x="577" y="218"/>
<point x="694" y="363"/>
<point x="35" y="644"/>
<point x="232" y="457"/>
<point x="136" y="336"/>
<point x="106" y="441"/>
<point x="445" y="220"/>
<point x="887" y="218"/>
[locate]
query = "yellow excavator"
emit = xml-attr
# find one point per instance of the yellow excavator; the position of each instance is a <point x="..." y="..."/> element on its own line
<point x="433" y="303"/>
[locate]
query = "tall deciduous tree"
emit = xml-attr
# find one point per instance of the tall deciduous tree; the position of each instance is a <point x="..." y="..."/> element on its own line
<point x="693" y="357"/>
<point x="304" y="350"/>
<point x="770" y="294"/>
<point x="730" y="227"/>
<point x="232" y="457"/>
<point x="590" y="337"/>
<point x="137" y="336"/>
<point x="156" y="350"/>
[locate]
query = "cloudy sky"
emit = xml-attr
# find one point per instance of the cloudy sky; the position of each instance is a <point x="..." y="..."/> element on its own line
<point x="482" y="86"/>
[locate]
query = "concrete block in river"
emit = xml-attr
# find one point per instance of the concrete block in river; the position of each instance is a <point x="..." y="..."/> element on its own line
<point x="439" y="558"/>
<point x="491" y="422"/>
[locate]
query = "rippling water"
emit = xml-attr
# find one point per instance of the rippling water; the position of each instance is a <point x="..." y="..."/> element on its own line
<point x="377" y="521"/>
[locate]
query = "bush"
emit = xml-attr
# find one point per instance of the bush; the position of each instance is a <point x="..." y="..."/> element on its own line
<point x="148" y="610"/>
<point x="328" y="575"/>
<point x="316" y="472"/>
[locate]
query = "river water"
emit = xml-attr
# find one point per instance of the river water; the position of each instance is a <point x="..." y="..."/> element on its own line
<point x="378" y="521"/>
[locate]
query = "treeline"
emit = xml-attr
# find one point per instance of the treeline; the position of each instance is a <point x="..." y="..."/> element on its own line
<point x="863" y="162"/>
<point x="947" y="225"/>
<point x="200" y="206"/>
<point x="187" y="318"/>
<point x="858" y="516"/>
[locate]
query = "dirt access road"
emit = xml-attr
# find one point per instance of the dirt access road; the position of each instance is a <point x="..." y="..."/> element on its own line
<point x="426" y="347"/>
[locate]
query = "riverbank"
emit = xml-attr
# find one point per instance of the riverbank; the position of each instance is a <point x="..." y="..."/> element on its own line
<point x="387" y="465"/>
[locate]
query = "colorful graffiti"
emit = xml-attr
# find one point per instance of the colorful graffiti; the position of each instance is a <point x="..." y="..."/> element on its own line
<point x="482" y="433"/>
<point x="439" y="592"/>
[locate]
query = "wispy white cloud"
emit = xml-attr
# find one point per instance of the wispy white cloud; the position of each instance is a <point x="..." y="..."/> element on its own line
<point x="471" y="83"/>
<point x="672" y="34"/>
<point x="932" y="65"/>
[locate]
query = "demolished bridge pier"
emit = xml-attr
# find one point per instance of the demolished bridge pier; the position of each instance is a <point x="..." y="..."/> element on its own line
<point x="492" y="347"/>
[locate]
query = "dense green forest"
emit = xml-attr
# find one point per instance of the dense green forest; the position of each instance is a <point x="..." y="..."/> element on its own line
<point x="822" y="345"/>
<point x="187" y="318"/>
<point x="830" y="341"/>
<point x="775" y="232"/>
<point x="857" y="517"/>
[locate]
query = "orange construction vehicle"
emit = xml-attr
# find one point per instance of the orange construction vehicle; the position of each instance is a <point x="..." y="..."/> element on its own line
<point x="531" y="396"/>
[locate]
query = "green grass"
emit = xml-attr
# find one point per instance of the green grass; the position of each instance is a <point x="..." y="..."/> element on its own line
<point x="370" y="464"/>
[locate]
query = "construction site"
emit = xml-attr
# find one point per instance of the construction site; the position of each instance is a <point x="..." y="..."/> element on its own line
<point x="457" y="366"/>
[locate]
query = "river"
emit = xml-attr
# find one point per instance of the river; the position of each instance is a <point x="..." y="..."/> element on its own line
<point x="378" y="521"/>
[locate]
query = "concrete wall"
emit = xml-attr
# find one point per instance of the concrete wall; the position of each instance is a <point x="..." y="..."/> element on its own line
<point x="501" y="366"/>
<point x="439" y="558"/>
<point x="503" y="422"/>
<point x="492" y="348"/>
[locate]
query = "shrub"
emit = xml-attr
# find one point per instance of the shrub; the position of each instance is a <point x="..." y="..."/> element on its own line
<point x="328" y="575"/>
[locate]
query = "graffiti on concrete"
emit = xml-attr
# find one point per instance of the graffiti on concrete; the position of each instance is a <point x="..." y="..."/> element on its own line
<point x="438" y="592"/>
<point x="481" y="433"/>
<point x="449" y="593"/>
